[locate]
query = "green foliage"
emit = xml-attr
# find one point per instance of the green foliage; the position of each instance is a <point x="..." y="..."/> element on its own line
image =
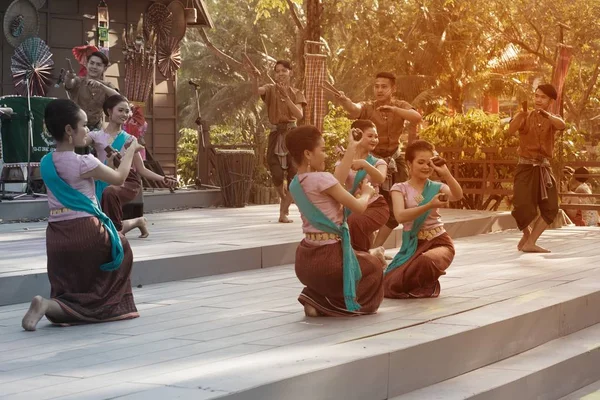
<point x="229" y="134"/>
<point x="335" y="133"/>
<point x="473" y="130"/>
<point x="187" y="155"/>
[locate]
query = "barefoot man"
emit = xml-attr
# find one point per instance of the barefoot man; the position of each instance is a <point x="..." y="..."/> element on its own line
<point x="534" y="186"/>
<point x="388" y="114"/>
<point x="284" y="107"/>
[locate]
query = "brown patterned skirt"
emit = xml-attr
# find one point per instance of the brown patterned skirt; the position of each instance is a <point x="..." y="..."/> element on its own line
<point x="363" y="226"/>
<point x="418" y="277"/>
<point x="319" y="268"/>
<point x="76" y="249"/>
<point x="115" y="197"/>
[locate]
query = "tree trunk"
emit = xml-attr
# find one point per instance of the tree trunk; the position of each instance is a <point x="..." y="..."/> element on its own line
<point x="312" y="32"/>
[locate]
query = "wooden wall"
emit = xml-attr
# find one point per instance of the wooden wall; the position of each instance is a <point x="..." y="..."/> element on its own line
<point x="63" y="26"/>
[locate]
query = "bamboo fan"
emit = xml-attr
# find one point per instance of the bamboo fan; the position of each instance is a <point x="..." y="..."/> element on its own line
<point x="158" y="19"/>
<point x="33" y="60"/>
<point x="140" y="61"/>
<point x="179" y="23"/>
<point x="169" y="57"/>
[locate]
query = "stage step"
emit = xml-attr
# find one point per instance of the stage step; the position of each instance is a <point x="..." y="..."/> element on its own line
<point x="243" y="336"/>
<point x="383" y="364"/>
<point x="549" y="371"/>
<point x="590" y="392"/>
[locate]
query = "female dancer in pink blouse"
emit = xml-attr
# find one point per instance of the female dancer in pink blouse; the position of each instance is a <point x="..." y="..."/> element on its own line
<point x="427" y="250"/>
<point x="113" y="197"/>
<point x="339" y="280"/>
<point x="89" y="262"/>
<point x="374" y="170"/>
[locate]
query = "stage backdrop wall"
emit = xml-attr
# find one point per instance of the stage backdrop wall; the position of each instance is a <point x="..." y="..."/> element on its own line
<point x="63" y="26"/>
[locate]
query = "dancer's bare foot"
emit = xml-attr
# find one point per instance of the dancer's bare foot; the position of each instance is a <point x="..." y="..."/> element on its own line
<point x="310" y="311"/>
<point x="526" y="234"/>
<point x="36" y="311"/>
<point x="379" y="253"/>
<point x="533" y="248"/>
<point x="143" y="228"/>
<point x="285" y="220"/>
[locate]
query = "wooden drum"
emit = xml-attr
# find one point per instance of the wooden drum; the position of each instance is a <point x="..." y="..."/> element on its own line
<point x="235" y="169"/>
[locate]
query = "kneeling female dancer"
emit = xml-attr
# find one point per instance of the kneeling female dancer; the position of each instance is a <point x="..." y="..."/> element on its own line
<point x="365" y="166"/>
<point x="339" y="280"/>
<point x="427" y="250"/>
<point x="89" y="262"/>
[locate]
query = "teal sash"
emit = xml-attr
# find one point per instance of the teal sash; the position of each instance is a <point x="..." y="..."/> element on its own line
<point x="351" y="268"/>
<point x="409" y="238"/>
<point x="117" y="144"/>
<point x="361" y="174"/>
<point x="77" y="201"/>
<point x="358" y="178"/>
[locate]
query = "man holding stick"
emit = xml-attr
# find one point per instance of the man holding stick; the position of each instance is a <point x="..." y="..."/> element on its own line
<point x="389" y="115"/>
<point x="534" y="186"/>
<point x="90" y="92"/>
<point x="285" y="108"/>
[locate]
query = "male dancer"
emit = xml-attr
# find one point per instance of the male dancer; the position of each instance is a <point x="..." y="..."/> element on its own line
<point x="284" y="107"/>
<point x="90" y="92"/>
<point x="534" y="186"/>
<point x="388" y="114"/>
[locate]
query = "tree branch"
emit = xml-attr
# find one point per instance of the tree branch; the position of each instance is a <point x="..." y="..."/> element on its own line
<point x="570" y="106"/>
<point x="228" y="59"/>
<point x="294" y="14"/>
<point x="591" y="84"/>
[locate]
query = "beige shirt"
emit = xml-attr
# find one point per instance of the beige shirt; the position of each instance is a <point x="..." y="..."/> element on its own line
<point x="89" y="99"/>
<point x="389" y="125"/>
<point x="277" y="108"/>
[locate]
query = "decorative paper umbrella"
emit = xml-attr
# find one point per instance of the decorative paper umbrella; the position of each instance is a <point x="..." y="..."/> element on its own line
<point x="20" y="22"/>
<point x="158" y="19"/>
<point x="82" y="54"/>
<point x="33" y="60"/>
<point x="179" y="24"/>
<point x="169" y="57"/>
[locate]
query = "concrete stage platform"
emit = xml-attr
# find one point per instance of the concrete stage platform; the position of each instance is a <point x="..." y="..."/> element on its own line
<point x="508" y="325"/>
<point x="154" y="199"/>
<point x="195" y="243"/>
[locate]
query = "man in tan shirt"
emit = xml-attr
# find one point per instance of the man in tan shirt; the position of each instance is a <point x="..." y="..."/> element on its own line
<point x="90" y="91"/>
<point x="534" y="186"/>
<point x="389" y="115"/>
<point x="284" y="108"/>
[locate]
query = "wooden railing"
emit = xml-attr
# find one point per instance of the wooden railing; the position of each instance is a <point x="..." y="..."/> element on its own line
<point x="487" y="181"/>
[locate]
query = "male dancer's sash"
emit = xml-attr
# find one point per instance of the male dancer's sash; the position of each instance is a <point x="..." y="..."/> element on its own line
<point x="77" y="201"/>
<point x="409" y="238"/>
<point x="351" y="267"/>
<point x="117" y="144"/>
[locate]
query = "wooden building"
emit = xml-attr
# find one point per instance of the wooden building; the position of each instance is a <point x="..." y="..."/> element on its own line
<point x="65" y="24"/>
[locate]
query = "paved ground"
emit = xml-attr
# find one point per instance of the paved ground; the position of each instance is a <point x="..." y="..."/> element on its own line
<point x="192" y="335"/>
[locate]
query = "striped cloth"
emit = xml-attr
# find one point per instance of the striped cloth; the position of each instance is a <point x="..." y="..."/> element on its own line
<point x="314" y="77"/>
<point x="563" y="60"/>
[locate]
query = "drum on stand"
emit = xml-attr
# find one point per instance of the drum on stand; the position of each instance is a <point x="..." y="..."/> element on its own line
<point x="13" y="140"/>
